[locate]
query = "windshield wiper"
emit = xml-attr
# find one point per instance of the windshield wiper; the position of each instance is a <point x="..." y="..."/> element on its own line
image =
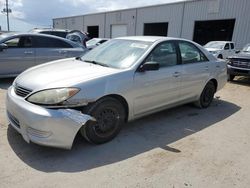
<point x="96" y="63"/>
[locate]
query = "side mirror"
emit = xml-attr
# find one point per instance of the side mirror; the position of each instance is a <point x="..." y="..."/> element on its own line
<point x="3" y="46"/>
<point x="97" y="44"/>
<point x="149" y="66"/>
<point x="237" y="51"/>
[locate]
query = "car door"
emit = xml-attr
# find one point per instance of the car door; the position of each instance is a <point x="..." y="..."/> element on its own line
<point x="195" y="70"/>
<point x="232" y="51"/>
<point x="19" y="55"/>
<point x="155" y="89"/>
<point x="50" y="49"/>
<point x="226" y="51"/>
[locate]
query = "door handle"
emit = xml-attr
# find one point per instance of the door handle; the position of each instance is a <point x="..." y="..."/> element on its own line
<point x="62" y="52"/>
<point x="176" y="74"/>
<point x="28" y="52"/>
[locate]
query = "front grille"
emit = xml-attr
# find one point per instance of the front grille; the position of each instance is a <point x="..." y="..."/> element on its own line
<point x="241" y="63"/>
<point x="13" y="120"/>
<point x="21" y="91"/>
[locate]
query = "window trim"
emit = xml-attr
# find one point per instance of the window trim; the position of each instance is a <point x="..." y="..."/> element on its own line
<point x="201" y="53"/>
<point x="177" y="53"/>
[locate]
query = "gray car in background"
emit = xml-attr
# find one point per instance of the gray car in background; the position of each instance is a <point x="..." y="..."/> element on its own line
<point x="21" y="51"/>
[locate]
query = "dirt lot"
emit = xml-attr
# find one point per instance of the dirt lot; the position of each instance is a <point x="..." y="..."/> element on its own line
<point x="181" y="147"/>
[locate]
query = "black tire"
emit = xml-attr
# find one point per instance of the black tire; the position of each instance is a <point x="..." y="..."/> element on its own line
<point x="206" y="96"/>
<point x="110" y="116"/>
<point x="230" y="77"/>
<point x="220" y="56"/>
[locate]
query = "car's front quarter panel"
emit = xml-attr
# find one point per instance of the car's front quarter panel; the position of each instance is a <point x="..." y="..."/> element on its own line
<point x="115" y="84"/>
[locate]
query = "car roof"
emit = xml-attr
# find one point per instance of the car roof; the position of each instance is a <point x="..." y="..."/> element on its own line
<point x="33" y="34"/>
<point x="39" y="34"/>
<point x="222" y="41"/>
<point x="49" y="29"/>
<point x="152" y="38"/>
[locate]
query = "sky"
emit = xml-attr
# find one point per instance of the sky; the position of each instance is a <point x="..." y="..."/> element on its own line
<point x="41" y="12"/>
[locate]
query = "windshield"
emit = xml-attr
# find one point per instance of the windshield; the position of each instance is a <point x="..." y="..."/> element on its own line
<point x="117" y="53"/>
<point x="246" y="48"/>
<point x="217" y="45"/>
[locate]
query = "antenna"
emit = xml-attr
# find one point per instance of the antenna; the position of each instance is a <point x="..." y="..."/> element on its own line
<point x="7" y="10"/>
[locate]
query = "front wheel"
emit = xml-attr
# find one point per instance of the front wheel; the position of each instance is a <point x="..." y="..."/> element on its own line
<point x="206" y="96"/>
<point x="110" y="116"/>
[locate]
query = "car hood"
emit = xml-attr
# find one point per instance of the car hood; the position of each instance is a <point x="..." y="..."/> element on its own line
<point x="61" y="73"/>
<point x="212" y="49"/>
<point x="241" y="55"/>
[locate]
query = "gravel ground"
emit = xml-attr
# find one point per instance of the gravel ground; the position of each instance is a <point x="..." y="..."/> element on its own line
<point x="181" y="147"/>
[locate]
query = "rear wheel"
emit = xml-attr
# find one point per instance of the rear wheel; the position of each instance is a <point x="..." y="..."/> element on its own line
<point x="110" y="116"/>
<point x="207" y="95"/>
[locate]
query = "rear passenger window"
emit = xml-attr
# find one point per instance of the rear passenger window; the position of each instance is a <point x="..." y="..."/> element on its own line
<point x="190" y="53"/>
<point x="46" y="42"/>
<point x="164" y="54"/>
<point x="232" y="45"/>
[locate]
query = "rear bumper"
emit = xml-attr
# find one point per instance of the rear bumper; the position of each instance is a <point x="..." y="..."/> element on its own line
<point x="237" y="71"/>
<point x="48" y="127"/>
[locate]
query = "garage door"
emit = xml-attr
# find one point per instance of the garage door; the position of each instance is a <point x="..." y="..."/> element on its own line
<point x="118" y="31"/>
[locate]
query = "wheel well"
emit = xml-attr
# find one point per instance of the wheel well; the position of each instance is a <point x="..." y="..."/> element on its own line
<point x="220" y="55"/>
<point x="215" y="83"/>
<point x="122" y="100"/>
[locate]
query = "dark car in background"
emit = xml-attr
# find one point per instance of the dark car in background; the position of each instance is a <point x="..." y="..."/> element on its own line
<point x="21" y="51"/>
<point x="239" y="64"/>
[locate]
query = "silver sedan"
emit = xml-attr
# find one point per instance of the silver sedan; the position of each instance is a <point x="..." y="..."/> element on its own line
<point x="119" y="81"/>
<point x="21" y="51"/>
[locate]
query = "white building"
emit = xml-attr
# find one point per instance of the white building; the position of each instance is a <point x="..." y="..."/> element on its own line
<point x="198" y="20"/>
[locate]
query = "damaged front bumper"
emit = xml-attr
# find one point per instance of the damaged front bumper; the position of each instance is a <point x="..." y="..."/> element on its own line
<point x="48" y="127"/>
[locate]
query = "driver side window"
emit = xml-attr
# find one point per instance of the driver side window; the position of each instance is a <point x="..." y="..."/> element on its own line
<point x="164" y="54"/>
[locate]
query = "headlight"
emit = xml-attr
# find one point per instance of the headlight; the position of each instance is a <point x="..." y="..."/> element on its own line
<point x="52" y="96"/>
<point x="228" y="61"/>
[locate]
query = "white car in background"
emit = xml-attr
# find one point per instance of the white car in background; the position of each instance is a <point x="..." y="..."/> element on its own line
<point x="95" y="42"/>
<point x="220" y="49"/>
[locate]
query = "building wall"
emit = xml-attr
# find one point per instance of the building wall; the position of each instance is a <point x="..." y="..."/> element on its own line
<point x="217" y="10"/>
<point x="125" y="17"/>
<point x="95" y="20"/>
<point x="166" y="13"/>
<point x="72" y="23"/>
<point x="181" y="18"/>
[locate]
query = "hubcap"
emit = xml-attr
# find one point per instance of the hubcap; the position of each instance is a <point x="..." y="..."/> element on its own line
<point x="107" y="121"/>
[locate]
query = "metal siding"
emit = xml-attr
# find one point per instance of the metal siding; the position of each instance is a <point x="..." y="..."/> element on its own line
<point x="229" y="9"/>
<point x="95" y="20"/>
<point x="75" y="23"/>
<point x="164" y="13"/>
<point x="125" y="17"/>
<point x="181" y="18"/>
